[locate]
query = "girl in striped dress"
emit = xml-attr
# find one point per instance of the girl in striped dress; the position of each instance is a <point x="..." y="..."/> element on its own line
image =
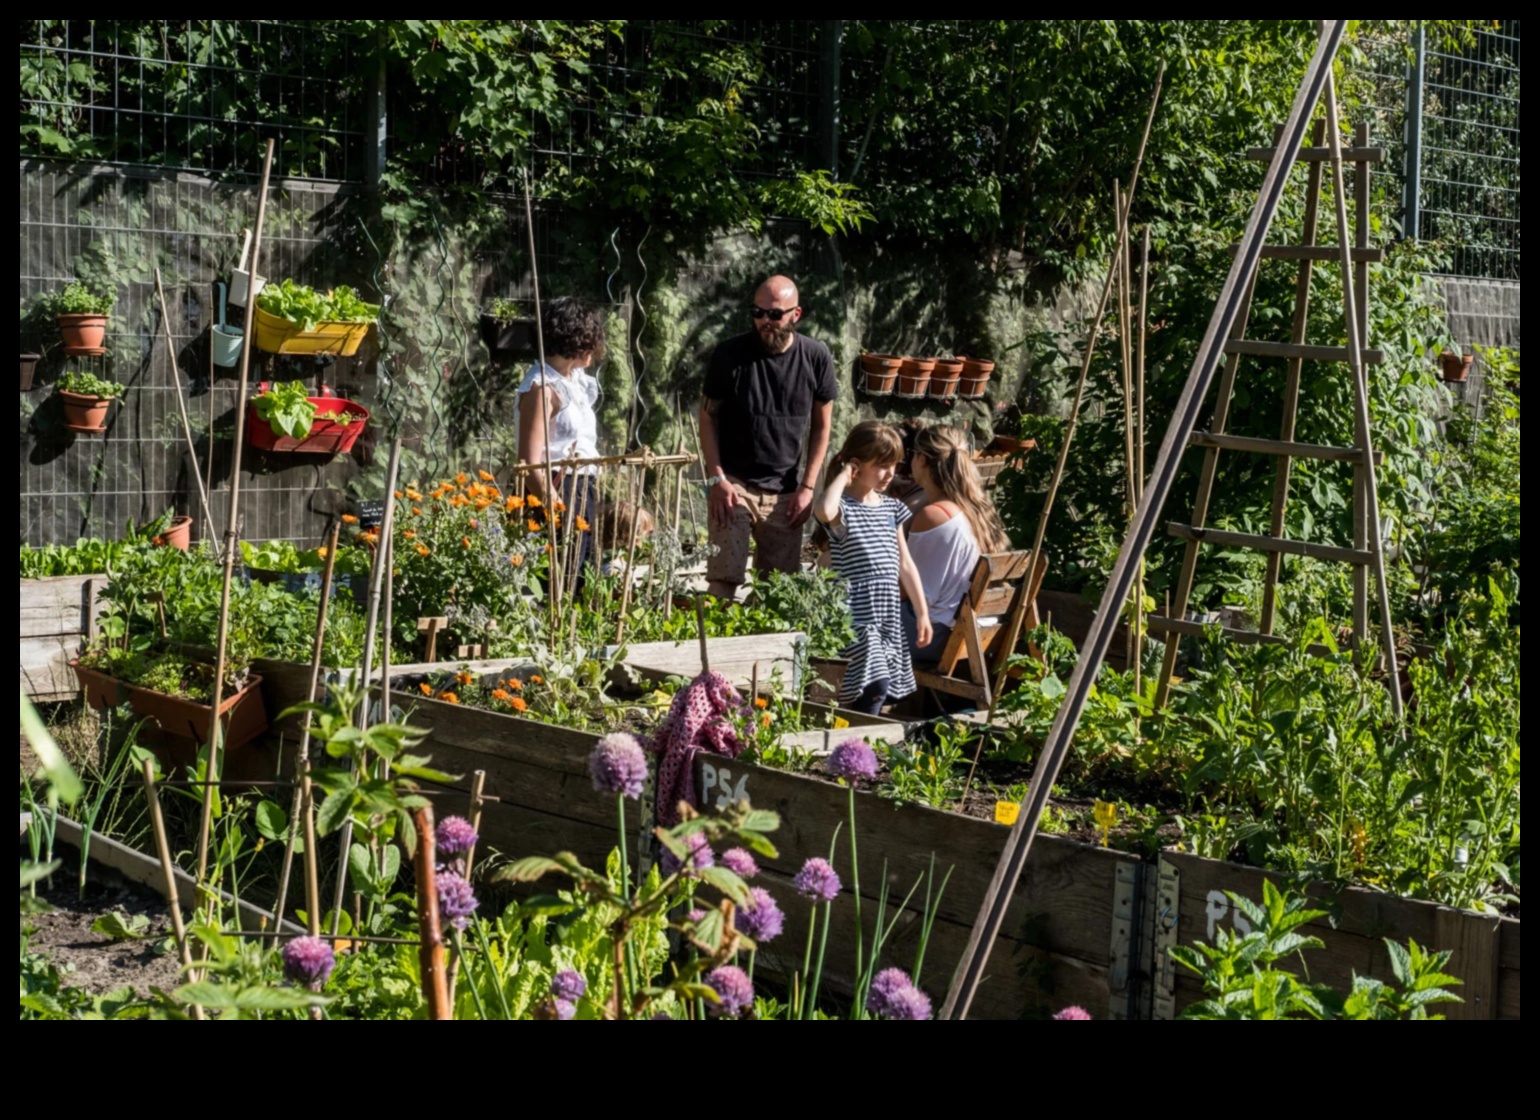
<point x="868" y="548"/>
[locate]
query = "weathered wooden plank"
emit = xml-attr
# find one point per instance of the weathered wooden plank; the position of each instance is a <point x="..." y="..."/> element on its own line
<point x="1508" y="944"/>
<point x="1067" y="889"/>
<point x="1205" y="535"/>
<point x="1353" y="932"/>
<point x="735" y="658"/>
<point x="45" y="670"/>
<point x="559" y="792"/>
<point x="1322" y="452"/>
<point x="1508" y="993"/>
<point x="1321" y="155"/>
<point x="1309" y="352"/>
<point x="1473" y="941"/>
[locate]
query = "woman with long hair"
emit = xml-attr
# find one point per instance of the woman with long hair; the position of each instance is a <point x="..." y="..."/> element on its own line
<point x="956" y="525"/>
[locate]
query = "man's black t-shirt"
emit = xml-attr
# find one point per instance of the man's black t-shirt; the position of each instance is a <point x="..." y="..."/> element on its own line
<point x="766" y="402"/>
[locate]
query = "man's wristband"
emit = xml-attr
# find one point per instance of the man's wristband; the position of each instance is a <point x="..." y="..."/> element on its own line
<point x="713" y="480"/>
<point x="805" y="486"/>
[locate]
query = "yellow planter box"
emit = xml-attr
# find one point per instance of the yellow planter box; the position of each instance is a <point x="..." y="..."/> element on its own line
<point x="281" y="336"/>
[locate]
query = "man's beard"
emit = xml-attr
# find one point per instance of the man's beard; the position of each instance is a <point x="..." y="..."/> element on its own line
<point x="775" y="339"/>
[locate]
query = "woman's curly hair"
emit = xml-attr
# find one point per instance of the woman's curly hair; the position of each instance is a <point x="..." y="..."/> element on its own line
<point x="571" y="327"/>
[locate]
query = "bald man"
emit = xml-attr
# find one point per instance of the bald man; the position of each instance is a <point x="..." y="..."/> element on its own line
<point x="767" y="390"/>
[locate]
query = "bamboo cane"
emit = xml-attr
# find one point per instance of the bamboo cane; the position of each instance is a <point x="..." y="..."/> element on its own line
<point x="232" y="525"/>
<point x="1144" y="305"/>
<point x="181" y="403"/>
<point x="168" y="871"/>
<point x="553" y="593"/>
<point x="302" y="763"/>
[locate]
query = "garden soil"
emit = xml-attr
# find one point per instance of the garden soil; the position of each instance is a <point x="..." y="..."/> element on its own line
<point x="92" y="961"/>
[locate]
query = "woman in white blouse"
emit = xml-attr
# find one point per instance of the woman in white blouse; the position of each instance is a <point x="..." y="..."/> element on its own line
<point x="946" y="537"/>
<point x="558" y="410"/>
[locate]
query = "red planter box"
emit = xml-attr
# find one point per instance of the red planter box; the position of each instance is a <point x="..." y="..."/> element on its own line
<point x="327" y="437"/>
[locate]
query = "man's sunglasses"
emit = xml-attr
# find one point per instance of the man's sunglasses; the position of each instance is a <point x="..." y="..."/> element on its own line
<point x="774" y="314"/>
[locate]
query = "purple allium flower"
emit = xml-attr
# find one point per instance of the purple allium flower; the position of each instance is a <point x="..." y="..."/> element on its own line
<point x="733" y="987"/>
<point x="456" y="900"/>
<point x="695" y="917"/>
<point x="308" y="961"/>
<point x="885" y="985"/>
<point x="852" y="759"/>
<point x="700" y="856"/>
<point x="761" y="917"/>
<point x="618" y="765"/>
<point x="1072" y="1012"/>
<point x="565" y="1009"/>
<point x="568" y="985"/>
<point x="817" y="880"/>
<point x="740" y="863"/>
<point x="908" y="1003"/>
<point x="453" y="837"/>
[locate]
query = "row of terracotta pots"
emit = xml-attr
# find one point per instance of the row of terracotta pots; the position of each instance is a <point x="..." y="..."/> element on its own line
<point x="942" y="378"/>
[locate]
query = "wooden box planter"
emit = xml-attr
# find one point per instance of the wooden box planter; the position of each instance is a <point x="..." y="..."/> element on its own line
<point x="283" y="336"/>
<point x="243" y="713"/>
<point x="28" y="369"/>
<point x="58" y="616"/>
<point x="327" y="437"/>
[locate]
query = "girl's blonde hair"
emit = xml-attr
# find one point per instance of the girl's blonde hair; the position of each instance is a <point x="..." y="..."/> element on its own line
<point x="872" y="441"/>
<point x="950" y="458"/>
<point x="618" y="520"/>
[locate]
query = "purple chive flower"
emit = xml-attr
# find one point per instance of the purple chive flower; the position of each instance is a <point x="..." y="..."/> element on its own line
<point x="700" y="856"/>
<point x="565" y="1009"/>
<point x="618" y="765"/>
<point x="695" y="917"/>
<point x="453" y="837"/>
<point x="568" y="985"/>
<point x="817" y="880"/>
<point x="740" y="863"/>
<point x="761" y="918"/>
<point x="885" y="985"/>
<point x="852" y="759"/>
<point x="733" y="988"/>
<point x="908" y="1003"/>
<point x="1072" y="1012"/>
<point x="308" y="961"/>
<point x="456" y="900"/>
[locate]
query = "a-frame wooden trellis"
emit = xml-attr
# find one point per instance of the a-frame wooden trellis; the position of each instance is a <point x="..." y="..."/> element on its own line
<point x="1366" y="552"/>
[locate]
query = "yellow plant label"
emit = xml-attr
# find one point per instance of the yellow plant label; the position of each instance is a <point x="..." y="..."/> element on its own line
<point x="840" y="724"/>
<point x="1006" y="812"/>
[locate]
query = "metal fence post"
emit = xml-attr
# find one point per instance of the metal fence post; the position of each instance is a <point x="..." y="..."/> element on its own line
<point x="1411" y="182"/>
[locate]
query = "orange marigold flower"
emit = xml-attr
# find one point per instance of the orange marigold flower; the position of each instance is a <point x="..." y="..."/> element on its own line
<point x="427" y="689"/>
<point x="465" y="542"/>
<point x="417" y="511"/>
<point x="449" y="697"/>
<point x="761" y="702"/>
<point x="474" y="524"/>
<point x="532" y="525"/>
<point x="483" y="503"/>
<point x="533" y="501"/>
<point x="465" y="678"/>
<point x="423" y="550"/>
<point x="516" y="560"/>
<point x="414" y="495"/>
<point x="409" y="534"/>
<point x="559" y="506"/>
<point x="399" y="494"/>
<point x="322" y="552"/>
<point x="502" y="694"/>
<point x="764" y="720"/>
<point x="519" y="704"/>
<point x="582" y="525"/>
<point x="514" y="502"/>
<point x="461" y="479"/>
<point x="349" y="519"/>
<point x="514" y="683"/>
<point x="486" y="476"/>
<point x="536" y="678"/>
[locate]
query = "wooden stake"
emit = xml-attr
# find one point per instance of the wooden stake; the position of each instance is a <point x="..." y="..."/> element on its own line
<point x="181" y="403"/>
<point x="168" y="871"/>
<point x="431" y="626"/>
<point x="430" y="954"/>
<point x="700" y="630"/>
<point x="232" y="526"/>
<point x="302" y="764"/>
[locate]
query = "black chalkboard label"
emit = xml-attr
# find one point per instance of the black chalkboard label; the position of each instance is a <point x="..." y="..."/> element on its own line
<point x="371" y="515"/>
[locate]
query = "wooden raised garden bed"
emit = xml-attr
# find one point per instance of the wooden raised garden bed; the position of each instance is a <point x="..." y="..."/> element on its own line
<point x="58" y="616"/>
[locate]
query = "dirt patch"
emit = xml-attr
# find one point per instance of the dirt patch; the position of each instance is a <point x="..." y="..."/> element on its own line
<point x="93" y="961"/>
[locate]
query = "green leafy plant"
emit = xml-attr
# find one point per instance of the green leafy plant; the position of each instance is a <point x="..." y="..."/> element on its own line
<point x="1242" y="977"/>
<point x="505" y="310"/>
<point x="302" y="304"/>
<point x="89" y="385"/>
<point x="287" y="408"/>
<point x="78" y="298"/>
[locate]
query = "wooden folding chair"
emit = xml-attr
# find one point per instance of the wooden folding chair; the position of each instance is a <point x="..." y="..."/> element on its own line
<point x="1001" y="602"/>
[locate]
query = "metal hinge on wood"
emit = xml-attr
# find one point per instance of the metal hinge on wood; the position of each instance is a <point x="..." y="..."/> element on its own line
<point x="1129" y="966"/>
<point x="1168" y="898"/>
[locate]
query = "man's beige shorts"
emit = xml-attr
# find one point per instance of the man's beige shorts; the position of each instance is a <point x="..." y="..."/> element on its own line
<point x="764" y="516"/>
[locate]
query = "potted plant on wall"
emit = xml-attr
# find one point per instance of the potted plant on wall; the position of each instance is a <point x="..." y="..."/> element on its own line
<point x="296" y="319"/>
<point x="285" y="417"/>
<point x="81" y="312"/>
<point x="1455" y="364"/>
<point x="28" y="368"/>
<point x="879" y="372"/>
<point x="507" y="327"/>
<point x="86" y="399"/>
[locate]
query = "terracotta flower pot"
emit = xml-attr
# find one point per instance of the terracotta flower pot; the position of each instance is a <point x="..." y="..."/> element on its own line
<point x="975" y="377"/>
<point x="879" y="372"/>
<point x="1456" y="367"/>
<point x="244" y="715"/>
<point x="85" y="414"/>
<point x="944" y="379"/>
<point x="83" y="334"/>
<point x="178" y="534"/>
<point x="28" y="368"/>
<point x="914" y="376"/>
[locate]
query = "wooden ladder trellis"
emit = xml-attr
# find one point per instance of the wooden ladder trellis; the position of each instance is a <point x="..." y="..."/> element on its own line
<point x="1366" y="552"/>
